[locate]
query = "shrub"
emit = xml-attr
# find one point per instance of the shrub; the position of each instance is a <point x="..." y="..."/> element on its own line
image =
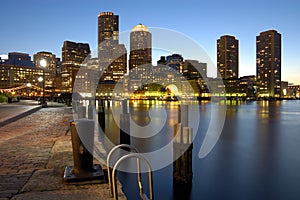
<point x="3" y="98"/>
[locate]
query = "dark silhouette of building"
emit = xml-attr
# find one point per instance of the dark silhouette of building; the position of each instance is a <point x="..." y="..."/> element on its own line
<point x="162" y="61"/>
<point x="19" y="59"/>
<point x="268" y="64"/>
<point x="228" y="57"/>
<point x="175" y="61"/>
<point x="73" y="55"/>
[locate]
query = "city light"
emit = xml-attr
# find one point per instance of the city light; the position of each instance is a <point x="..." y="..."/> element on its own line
<point x="43" y="63"/>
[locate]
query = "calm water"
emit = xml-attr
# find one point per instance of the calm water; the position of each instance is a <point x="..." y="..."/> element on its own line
<point x="257" y="156"/>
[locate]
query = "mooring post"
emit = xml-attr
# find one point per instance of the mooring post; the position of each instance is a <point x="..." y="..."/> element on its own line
<point x="101" y="114"/>
<point x="82" y="136"/>
<point x="124" y="124"/>
<point x="182" y="149"/>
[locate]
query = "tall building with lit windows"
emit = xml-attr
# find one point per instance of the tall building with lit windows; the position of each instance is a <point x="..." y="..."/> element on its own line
<point x="108" y="27"/>
<point x="228" y="57"/>
<point x="140" y="48"/>
<point x="112" y="55"/>
<point x="140" y="58"/>
<point x="268" y="64"/>
<point x="73" y="55"/>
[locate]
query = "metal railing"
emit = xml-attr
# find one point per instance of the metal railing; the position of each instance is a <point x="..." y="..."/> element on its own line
<point x="138" y="156"/>
<point x="131" y="148"/>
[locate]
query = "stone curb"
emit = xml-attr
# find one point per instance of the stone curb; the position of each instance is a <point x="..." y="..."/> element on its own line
<point x="17" y="117"/>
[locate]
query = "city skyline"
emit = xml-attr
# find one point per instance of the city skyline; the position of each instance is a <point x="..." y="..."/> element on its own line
<point x="247" y="22"/>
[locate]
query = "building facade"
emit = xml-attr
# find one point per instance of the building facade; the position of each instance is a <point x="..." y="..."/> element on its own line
<point x="20" y="80"/>
<point x="140" y="47"/>
<point x="19" y="59"/>
<point x="18" y="71"/>
<point x="268" y="64"/>
<point x="73" y="55"/>
<point x="108" y="27"/>
<point x="228" y="57"/>
<point x="50" y="69"/>
<point x="193" y="69"/>
<point x="112" y="55"/>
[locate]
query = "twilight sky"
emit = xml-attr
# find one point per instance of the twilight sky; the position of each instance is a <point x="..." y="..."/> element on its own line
<point x="30" y="26"/>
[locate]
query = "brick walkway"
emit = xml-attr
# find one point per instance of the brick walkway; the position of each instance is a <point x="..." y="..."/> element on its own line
<point x="25" y="147"/>
<point x="33" y="152"/>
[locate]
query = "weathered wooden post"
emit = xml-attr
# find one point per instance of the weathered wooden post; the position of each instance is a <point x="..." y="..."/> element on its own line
<point x="182" y="149"/>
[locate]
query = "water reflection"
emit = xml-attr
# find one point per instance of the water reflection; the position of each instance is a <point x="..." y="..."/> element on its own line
<point x="256" y="157"/>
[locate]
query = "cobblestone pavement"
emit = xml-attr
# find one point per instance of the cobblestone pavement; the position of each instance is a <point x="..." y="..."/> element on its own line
<point x="33" y="153"/>
<point x="25" y="147"/>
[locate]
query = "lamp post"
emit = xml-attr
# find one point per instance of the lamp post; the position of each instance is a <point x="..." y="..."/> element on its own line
<point x="43" y="64"/>
<point x="28" y="85"/>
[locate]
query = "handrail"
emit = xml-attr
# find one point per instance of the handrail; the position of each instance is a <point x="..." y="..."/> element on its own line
<point x="132" y="148"/>
<point x="138" y="156"/>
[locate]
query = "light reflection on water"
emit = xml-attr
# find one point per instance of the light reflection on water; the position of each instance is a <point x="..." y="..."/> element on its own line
<point x="256" y="157"/>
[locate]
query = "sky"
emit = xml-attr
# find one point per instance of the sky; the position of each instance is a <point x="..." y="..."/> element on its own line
<point x="31" y="26"/>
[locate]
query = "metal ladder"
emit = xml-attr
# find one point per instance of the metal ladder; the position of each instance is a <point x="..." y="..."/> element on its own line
<point x="130" y="147"/>
<point x="112" y="176"/>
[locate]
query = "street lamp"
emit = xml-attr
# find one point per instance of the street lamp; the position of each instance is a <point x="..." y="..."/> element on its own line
<point x="43" y="64"/>
<point x="28" y="85"/>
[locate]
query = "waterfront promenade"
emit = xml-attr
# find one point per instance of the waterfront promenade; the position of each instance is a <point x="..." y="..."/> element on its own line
<point x="33" y="153"/>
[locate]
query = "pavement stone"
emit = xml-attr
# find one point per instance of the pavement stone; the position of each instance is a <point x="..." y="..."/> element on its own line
<point x="34" y="151"/>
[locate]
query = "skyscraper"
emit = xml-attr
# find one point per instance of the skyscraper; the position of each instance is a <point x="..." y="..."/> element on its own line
<point x="117" y="67"/>
<point x="112" y="55"/>
<point x="73" y="55"/>
<point x="140" y="58"/>
<point x="140" y="46"/>
<point x="228" y="57"/>
<point x="268" y="64"/>
<point x="108" y="27"/>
